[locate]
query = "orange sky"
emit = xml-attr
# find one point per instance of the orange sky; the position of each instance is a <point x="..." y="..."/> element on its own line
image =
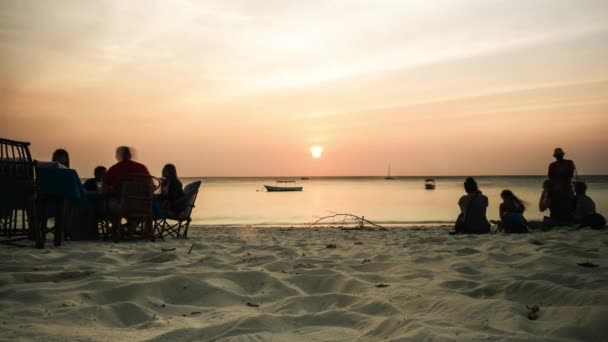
<point x="245" y="88"/>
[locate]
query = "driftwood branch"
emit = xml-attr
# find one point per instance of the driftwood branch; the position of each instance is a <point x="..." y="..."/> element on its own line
<point x="361" y="221"/>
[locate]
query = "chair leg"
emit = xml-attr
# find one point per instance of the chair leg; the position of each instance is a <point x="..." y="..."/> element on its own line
<point x="148" y="228"/>
<point x="116" y="229"/>
<point x="186" y="228"/>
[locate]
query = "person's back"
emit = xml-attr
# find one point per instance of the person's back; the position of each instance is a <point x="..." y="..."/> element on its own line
<point x="121" y="172"/>
<point x="124" y="170"/>
<point x="561" y="172"/>
<point x="473" y="207"/>
<point x="91" y="184"/>
<point x="584" y="205"/>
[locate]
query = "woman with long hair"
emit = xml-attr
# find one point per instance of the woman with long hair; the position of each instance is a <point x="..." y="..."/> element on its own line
<point x="511" y="213"/>
<point x="172" y="193"/>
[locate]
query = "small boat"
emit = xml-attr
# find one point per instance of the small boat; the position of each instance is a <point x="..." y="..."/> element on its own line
<point x="286" y="181"/>
<point x="389" y="173"/>
<point x="304" y="178"/>
<point x="429" y="184"/>
<point x="271" y="188"/>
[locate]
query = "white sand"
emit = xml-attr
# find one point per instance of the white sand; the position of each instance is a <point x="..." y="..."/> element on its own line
<point x="440" y="287"/>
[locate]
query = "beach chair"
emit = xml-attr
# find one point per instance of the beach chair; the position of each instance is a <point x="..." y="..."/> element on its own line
<point x="173" y="224"/>
<point x="135" y="206"/>
<point x="18" y="194"/>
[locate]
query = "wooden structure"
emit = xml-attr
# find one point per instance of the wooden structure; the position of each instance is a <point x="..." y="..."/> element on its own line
<point x="135" y="206"/>
<point x="173" y="225"/>
<point x="18" y="194"/>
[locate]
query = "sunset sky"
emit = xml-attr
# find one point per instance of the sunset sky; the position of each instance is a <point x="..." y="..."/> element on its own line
<point x="246" y="88"/>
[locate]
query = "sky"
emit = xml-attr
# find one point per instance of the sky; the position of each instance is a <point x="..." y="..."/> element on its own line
<point x="246" y="88"/>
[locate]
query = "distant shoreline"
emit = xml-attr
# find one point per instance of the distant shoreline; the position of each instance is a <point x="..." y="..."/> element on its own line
<point x="377" y="177"/>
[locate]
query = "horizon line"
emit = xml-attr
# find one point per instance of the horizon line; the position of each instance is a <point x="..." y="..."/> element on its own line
<point x="403" y="176"/>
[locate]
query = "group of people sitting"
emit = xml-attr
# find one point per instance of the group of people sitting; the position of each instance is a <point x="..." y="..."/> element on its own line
<point x="567" y="202"/>
<point x="109" y="181"/>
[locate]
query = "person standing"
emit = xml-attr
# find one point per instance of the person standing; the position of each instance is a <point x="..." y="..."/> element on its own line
<point x="561" y="172"/>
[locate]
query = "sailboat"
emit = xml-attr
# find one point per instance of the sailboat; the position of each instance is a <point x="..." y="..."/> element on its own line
<point x="389" y="173"/>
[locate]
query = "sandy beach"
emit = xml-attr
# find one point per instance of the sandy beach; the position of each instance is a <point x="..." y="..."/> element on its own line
<point x="265" y="284"/>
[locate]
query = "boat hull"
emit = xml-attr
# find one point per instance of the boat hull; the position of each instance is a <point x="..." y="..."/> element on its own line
<point x="271" y="188"/>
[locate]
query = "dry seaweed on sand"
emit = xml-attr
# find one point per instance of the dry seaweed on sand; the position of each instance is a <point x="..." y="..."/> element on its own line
<point x="533" y="311"/>
<point x="587" y="264"/>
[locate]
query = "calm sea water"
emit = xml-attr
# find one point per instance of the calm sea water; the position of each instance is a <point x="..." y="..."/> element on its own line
<point x="403" y="201"/>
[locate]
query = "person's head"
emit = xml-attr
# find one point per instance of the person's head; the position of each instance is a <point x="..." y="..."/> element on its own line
<point x="470" y="186"/>
<point x="62" y="157"/>
<point x="169" y="171"/>
<point x="580" y="188"/>
<point x="559" y="153"/>
<point x="123" y="153"/>
<point x="508" y="195"/>
<point x="99" y="172"/>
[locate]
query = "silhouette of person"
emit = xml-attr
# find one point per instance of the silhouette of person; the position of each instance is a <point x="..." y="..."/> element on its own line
<point x="98" y="174"/>
<point x="62" y="157"/>
<point x="511" y="213"/>
<point x="473" y="207"/>
<point x="585" y="213"/>
<point x="122" y="171"/>
<point x="172" y="195"/>
<point x="560" y="173"/>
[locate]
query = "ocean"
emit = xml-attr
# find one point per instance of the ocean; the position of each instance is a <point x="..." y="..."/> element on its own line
<point x="400" y="202"/>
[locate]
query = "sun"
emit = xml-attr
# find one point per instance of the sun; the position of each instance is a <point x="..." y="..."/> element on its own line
<point x="316" y="151"/>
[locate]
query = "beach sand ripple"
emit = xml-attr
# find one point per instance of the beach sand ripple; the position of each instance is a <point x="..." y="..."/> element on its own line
<point x="280" y="284"/>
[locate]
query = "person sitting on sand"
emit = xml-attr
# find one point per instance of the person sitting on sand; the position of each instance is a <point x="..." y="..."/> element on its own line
<point x="584" y="212"/>
<point x="511" y="213"/>
<point x="172" y="195"/>
<point x="61" y="157"/>
<point x="473" y="207"/>
<point x="98" y="174"/>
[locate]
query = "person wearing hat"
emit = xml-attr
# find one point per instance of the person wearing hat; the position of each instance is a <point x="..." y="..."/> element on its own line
<point x="561" y="172"/>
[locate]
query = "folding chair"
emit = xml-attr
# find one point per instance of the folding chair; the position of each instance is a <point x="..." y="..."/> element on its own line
<point x="173" y="224"/>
